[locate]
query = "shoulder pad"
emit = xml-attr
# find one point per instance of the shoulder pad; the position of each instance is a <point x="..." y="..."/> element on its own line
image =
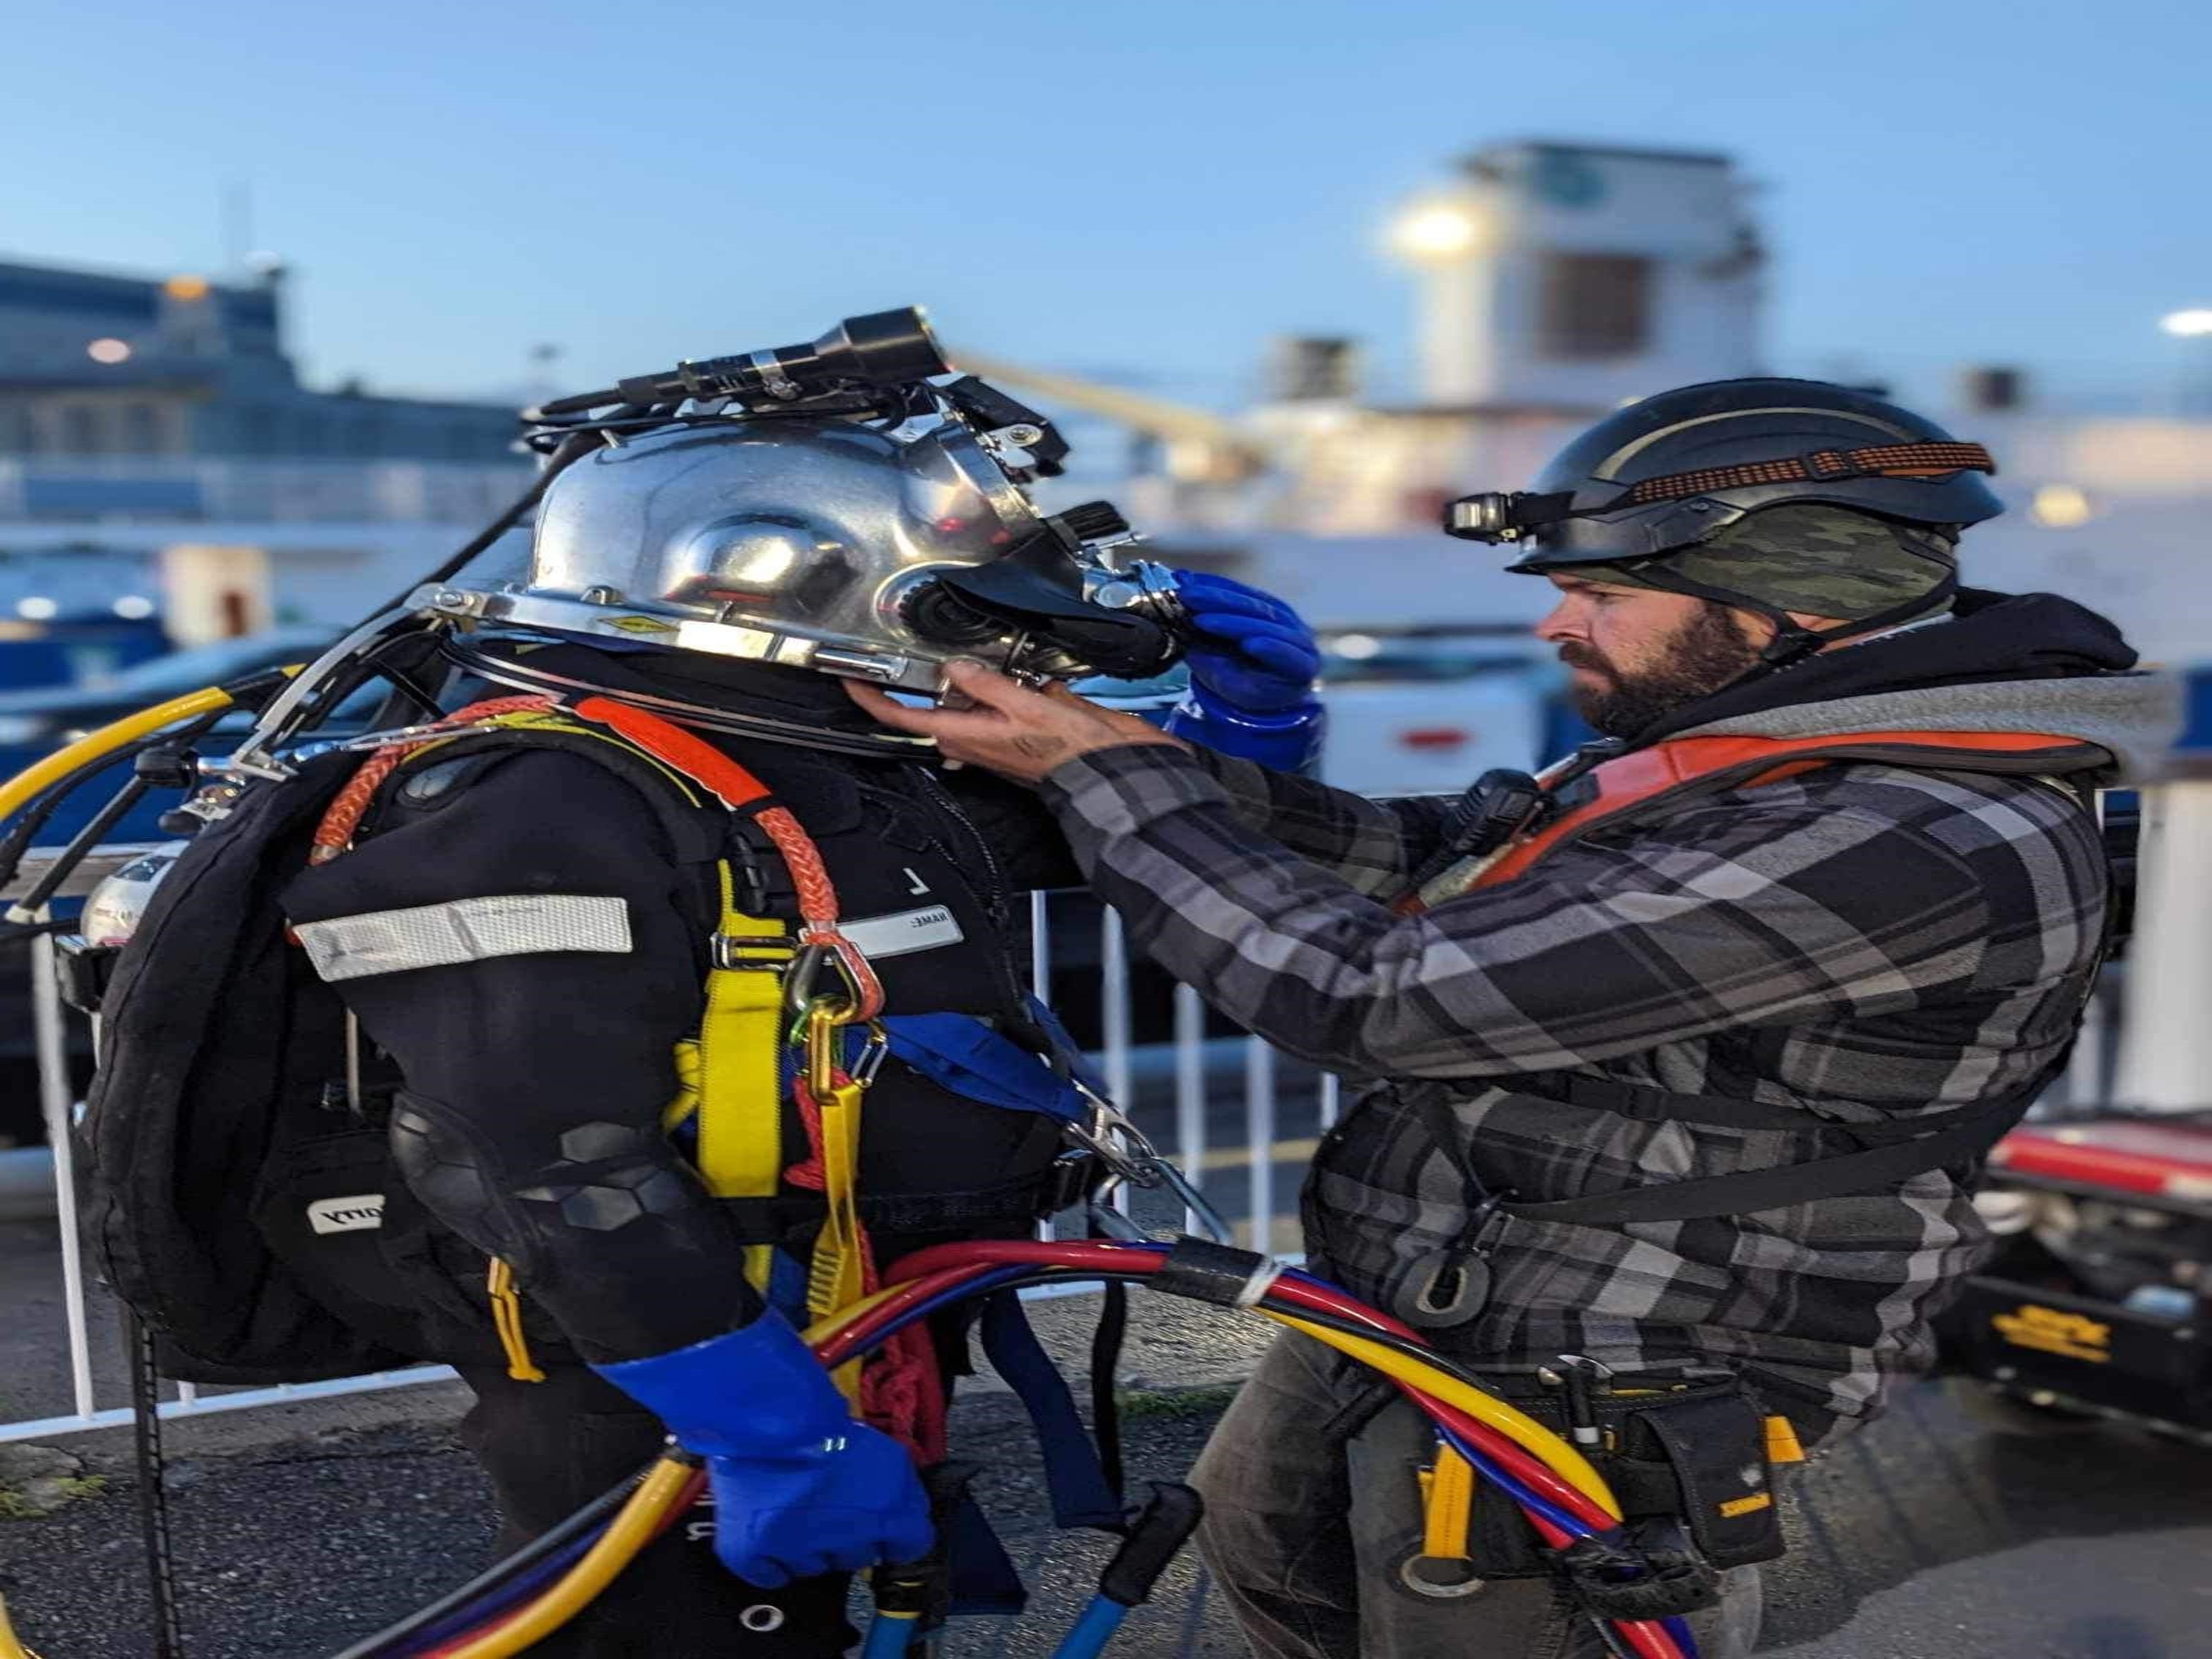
<point x="426" y="788"/>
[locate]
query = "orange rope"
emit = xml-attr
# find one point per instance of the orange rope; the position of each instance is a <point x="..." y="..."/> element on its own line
<point x="343" y="815"/>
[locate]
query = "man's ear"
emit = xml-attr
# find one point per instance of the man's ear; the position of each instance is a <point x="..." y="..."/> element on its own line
<point x="1818" y="624"/>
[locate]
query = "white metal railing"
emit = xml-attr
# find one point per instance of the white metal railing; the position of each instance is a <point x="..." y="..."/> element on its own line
<point x="1170" y="1087"/>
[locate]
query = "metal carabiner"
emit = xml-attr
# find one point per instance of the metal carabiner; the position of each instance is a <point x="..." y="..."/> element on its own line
<point x="1093" y="1139"/>
<point x="873" y="1052"/>
<point x="863" y="997"/>
<point x="825" y="1045"/>
<point x="1134" y="1161"/>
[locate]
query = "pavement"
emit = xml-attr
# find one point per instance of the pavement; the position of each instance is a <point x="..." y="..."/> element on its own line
<point x="1941" y="1532"/>
<point x="1935" y="1535"/>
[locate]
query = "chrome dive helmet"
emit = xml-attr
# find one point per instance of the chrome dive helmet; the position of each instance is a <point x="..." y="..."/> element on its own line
<point x="879" y="538"/>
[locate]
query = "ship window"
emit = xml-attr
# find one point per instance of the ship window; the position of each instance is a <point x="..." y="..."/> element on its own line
<point x="142" y="429"/>
<point x="257" y="430"/>
<point x="1595" y="304"/>
<point x="81" y="434"/>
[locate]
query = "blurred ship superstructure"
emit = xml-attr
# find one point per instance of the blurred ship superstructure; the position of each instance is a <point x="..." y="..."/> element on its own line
<point x="1556" y="281"/>
<point x="157" y="448"/>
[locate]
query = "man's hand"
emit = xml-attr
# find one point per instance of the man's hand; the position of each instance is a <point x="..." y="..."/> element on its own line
<point x="1011" y="730"/>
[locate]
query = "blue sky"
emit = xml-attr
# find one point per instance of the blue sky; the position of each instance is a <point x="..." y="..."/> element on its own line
<point x="1148" y="189"/>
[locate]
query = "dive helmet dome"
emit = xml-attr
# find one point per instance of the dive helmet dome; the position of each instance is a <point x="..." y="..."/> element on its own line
<point x="823" y="543"/>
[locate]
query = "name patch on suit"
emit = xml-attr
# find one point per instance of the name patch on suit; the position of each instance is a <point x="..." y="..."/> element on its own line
<point x="467" y="930"/>
<point x="354" y="1214"/>
<point x="925" y="929"/>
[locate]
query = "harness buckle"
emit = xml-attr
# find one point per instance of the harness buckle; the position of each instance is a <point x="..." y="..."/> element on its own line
<point x="723" y="948"/>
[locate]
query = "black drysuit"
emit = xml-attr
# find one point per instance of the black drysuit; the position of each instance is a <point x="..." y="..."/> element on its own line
<point x="528" y="1084"/>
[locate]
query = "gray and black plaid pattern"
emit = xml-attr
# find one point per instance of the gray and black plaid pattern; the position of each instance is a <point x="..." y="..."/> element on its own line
<point x="1860" y="941"/>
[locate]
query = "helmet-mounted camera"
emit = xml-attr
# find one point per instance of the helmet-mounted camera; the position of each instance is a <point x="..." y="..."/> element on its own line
<point x="1495" y="516"/>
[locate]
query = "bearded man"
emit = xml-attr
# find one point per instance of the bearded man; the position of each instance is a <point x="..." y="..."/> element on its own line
<point x="1680" y="1062"/>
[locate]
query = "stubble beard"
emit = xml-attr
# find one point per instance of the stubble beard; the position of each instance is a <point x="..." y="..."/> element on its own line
<point x="1711" y="651"/>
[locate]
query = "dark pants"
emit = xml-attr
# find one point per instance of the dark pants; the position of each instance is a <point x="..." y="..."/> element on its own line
<point x="1313" y="1508"/>
<point x="551" y="1448"/>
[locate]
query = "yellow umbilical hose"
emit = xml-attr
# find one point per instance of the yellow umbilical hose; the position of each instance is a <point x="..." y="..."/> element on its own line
<point x="630" y="1530"/>
<point x="11" y="1646"/>
<point x="664" y="1487"/>
<point x="1487" y="1409"/>
<point x="26" y="784"/>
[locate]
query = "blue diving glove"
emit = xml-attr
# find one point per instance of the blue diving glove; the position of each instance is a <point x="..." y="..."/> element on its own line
<point x="800" y="1488"/>
<point x="1254" y="653"/>
<point x="1252" y="673"/>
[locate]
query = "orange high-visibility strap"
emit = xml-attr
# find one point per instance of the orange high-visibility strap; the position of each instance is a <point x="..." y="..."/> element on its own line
<point x="1629" y="781"/>
<point x="738" y="788"/>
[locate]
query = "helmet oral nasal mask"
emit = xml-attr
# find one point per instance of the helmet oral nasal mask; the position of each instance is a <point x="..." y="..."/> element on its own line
<point x="827" y="507"/>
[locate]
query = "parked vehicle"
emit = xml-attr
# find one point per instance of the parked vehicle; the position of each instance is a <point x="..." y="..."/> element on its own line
<point x="38" y="652"/>
<point x="1421" y="714"/>
<point x="35" y="723"/>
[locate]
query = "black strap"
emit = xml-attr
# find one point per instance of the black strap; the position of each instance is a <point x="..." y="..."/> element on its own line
<point x="153" y="1494"/>
<point x="1970" y="1136"/>
<point x="1105" y="1376"/>
<point x="1657" y="1105"/>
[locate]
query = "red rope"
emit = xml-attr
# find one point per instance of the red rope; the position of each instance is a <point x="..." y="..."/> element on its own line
<point x="343" y="815"/>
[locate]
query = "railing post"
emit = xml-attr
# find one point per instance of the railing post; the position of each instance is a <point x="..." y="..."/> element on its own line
<point x="2165" y="1042"/>
<point x="1260" y="1134"/>
<point x="1190" y="1092"/>
<point x="49" y="1042"/>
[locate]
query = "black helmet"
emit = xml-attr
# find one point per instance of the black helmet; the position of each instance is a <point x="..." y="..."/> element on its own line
<point x="1675" y="469"/>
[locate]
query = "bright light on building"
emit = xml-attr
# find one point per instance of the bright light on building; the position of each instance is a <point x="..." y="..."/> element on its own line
<point x="2061" y="507"/>
<point x="37" y="609"/>
<point x="2196" y="320"/>
<point x="1441" y="230"/>
<point x="109" y="351"/>
<point x="134" y="607"/>
<point x="185" y="287"/>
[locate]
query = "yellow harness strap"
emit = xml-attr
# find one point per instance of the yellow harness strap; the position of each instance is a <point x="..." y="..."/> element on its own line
<point x="507" y="1320"/>
<point x="838" y="1276"/>
<point x="1448" y="1505"/>
<point x="732" y="1071"/>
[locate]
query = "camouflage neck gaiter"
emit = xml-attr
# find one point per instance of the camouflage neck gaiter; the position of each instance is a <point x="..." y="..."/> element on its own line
<point x="1816" y="559"/>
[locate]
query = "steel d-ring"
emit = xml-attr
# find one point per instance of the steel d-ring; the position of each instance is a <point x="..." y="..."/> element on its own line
<point x="1415" y="1570"/>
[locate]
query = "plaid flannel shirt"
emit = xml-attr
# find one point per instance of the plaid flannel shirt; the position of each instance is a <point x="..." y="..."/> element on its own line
<point x="1859" y="940"/>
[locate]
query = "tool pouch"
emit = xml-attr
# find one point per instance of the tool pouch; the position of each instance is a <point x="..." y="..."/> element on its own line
<point x="1702" y="1457"/>
<point x="1694" y="1451"/>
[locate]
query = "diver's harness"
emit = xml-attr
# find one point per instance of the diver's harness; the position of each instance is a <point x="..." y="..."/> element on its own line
<point x="813" y="994"/>
<point x="1508" y="822"/>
